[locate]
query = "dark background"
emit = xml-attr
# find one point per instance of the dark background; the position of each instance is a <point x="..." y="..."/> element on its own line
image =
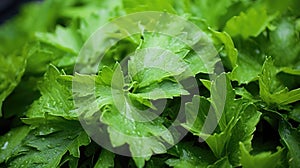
<point x="9" y="8"/>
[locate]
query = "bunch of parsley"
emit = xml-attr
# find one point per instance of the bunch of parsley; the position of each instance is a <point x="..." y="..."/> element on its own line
<point x="257" y="42"/>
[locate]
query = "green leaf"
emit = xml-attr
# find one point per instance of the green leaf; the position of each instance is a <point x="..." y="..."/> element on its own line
<point x="271" y="90"/>
<point x="268" y="82"/>
<point x="196" y="113"/>
<point x="229" y="54"/>
<point x="221" y="163"/>
<point x="291" y="71"/>
<point x="154" y="65"/>
<point x="66" y="39"/>
<point x="40" y="55"/>
<point x="132" y="6"/>
<point x="165" y="89"/>
<point x="261" y="160"/>
<point x="172" y="44"/>
<point x="206" y="83"/>
<point x="222" y="96"/>
<point x="251" y="23"/>
<point x="27" y="88"/>
<point x="10" y="141"/>
<point x="140" y="161"/>
<point x="208" y="119"/>
<point x="126" y="123"/>
<point x="247" y="70"/>
<point x="290" y="137"/>
<point x="295" y="113"/>
<point x="201" y="119"/>
<point x="250" y="59"/>
<point x="284" y="36"/>
<point x="245" y="94"/>
<point x="12" y="69"/>
<point x="277" y="5"/>
<point x="243" y="132"/>
<point x="55" y="99"/>
<point x="105" y="160"/>
<point x="146" y="134"/>
<point x="193" y="46"/>
<point x="136" y="103"/>
<point x="94" y="16"/>
<point x="218" y="141"/>
<point x="82" y="139"/>
<point x="18" y="30"/>
<point x="190" y="156"/>
<point x="42" y="150"/>
<point x="212" y="11"/>
<point x="72" y="161"/>
<point x="289" y="97"/>
<point x="228" y="123"/>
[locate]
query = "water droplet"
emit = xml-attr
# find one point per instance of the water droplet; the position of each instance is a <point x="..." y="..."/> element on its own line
<point x="50" y="146"/>
<point x="5" y="145"/>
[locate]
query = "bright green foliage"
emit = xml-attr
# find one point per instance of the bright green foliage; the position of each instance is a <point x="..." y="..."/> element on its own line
<point x="263" y="159"/>
<point x="132" y="6"/>
<point x="215" y="12"/>
<point x="226" y="95"/>
<point x="64" y="39"/>
<point x="272" y="91"/>
<point x="251" y="23"/>
<point x="119" y="111"/>
<point x="45" y="144"/>
<point x="247" y="70"/>
<point x="235" y="117"/>
<point x="286" y="35"/>
<point x="55" y="99"/>
<point x="230" y="53"/>
<point x="49" y="152"/>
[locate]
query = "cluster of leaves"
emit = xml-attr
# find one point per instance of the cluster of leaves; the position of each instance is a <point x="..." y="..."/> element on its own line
<point x="258" y="124"/>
